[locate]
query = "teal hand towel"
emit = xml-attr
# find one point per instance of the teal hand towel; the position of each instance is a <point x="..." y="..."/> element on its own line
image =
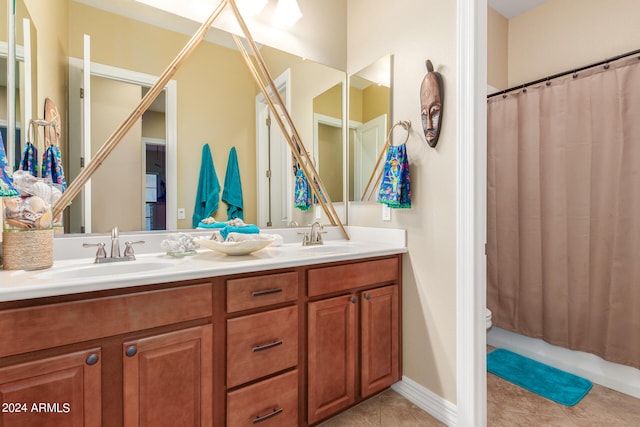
<point x="213" y="225"/>
<point x="246" y="229"/>
<point x="232" y="193"/>
<point x="207" y="196"/>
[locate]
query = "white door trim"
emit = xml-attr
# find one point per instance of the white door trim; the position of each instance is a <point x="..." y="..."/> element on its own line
<point x="471" y="212"/>
<point x="282" y="82"/>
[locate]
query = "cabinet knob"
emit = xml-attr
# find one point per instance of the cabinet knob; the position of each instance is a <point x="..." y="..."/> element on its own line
<point x="367" y="296"/>
<point x="354" y="300"/>
<point x="92" y="359"/>
<point x="131" y="351"/>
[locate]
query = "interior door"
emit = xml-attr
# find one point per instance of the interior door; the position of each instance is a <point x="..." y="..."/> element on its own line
<point x="368" y="141"/>
<point x="275" y="176"/>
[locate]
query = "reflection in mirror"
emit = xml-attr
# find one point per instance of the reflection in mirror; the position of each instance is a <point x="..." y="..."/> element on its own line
<point x="25" y="49"/>
<point x="327" y="141"/>
<point x="216" y="105"/>
<point x="313" y="89"/>
<point x="369" y="121"/>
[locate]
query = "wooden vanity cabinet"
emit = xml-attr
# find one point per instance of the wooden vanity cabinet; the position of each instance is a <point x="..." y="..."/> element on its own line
<point x="136" y="359"/>
<point x="286" y="348"/>
<point x="353" y="338"/>
<point x="167" y="379"/>
<point x="59" y="391"/>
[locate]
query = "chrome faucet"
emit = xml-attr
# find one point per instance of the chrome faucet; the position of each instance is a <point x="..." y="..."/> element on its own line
<point x="101" y="254"/>
<point x="314" y="236"/>
<point x="115" y="243"/>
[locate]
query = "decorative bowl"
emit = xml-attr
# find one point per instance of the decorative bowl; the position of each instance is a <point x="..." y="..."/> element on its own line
<point x="245" y="247"/>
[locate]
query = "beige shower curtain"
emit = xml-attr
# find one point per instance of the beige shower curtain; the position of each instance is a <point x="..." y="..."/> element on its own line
<point x="563" y="201"/>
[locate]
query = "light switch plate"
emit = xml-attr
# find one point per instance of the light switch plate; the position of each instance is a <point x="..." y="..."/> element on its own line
<point x="386" y="213"/>
<point x="318" y="212"/>
<point x="181" y="213"/>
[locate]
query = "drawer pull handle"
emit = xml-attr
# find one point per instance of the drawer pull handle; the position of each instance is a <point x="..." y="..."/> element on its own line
<point x="267" y="346"/>
<point x="267" y="292"/>
<point x="367" y="296"/>
<point x="266" y="417"/>
<point x="354" y="300"/>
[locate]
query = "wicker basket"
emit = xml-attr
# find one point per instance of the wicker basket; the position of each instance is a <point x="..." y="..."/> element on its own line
<point x="27" y="249"/>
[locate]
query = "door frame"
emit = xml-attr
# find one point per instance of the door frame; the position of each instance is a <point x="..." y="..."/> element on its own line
<point x="471" y="216"/>
<point x="283" y="83"/>
<point x="146" y="141"/>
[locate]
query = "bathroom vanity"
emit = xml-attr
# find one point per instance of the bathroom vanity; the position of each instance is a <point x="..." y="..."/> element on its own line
<point x="288" y="336"/>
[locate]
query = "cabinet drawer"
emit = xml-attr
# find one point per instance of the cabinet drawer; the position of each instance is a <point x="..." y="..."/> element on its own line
<point x="344" y="277"/>
<point x="37" y="328"/>
<point x="269" y="403"/>
<point x="261" y="344"/>
<point x="260" y="291"/>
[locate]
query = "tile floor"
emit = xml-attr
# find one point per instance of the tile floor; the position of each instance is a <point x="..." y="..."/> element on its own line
<point x="507" y="406"/>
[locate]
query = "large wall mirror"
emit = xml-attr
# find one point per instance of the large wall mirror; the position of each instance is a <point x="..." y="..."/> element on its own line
<point x="152" y="175"/>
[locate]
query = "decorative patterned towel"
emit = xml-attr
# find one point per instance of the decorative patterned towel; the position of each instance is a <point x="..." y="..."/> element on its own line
<point x="52" y="167"/>
<point x="395" y="188"/>
<point x="29" y="161"/>
<point x="6" y="179"/>
<point x="302" y="192"/>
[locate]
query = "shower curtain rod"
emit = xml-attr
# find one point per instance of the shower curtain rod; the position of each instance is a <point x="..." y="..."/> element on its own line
<point x="574" y="70"/>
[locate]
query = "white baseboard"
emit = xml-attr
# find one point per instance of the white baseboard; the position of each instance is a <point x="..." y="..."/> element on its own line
<point x="624" y="379"/>
<point x="439" y="408"/>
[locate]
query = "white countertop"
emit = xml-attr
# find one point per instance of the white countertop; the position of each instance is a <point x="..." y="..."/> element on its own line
<point x="75" y="275"/>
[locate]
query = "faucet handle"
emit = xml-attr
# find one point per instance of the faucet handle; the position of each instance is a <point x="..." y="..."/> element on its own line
<point x="100" y="253"/>
<point x="128" y="248"/>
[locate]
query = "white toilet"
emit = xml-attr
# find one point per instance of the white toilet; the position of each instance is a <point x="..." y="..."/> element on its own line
<point x="487" y="315"/>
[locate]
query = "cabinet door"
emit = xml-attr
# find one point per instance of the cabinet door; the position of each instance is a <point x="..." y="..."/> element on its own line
<point x="379" y="339"/>
<point x="332" y="355"/>
<point x="168" y="379"/>
<point x="56" y="392"/>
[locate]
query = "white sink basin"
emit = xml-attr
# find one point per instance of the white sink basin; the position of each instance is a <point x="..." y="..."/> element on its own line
<point x="107" y="269"/>
<point x="329" y="248"/>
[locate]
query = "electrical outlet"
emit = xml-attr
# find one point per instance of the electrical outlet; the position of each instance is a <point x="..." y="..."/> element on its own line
<point x="386" y="213"/>
<point x="318" y="212"/>
<point x="181" y="213"/>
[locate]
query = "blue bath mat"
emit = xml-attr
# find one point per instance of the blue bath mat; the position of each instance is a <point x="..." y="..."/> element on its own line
<point x="547" y="381"/>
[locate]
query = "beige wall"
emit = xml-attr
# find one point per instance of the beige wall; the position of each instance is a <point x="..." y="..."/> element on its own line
<point x="563" y="34"/>
<point x="50" y="18"/>
<point x="375" y="102"/>
<point x="329" y="103"/>
<point x="497" y="49"/>
<point x="154" y="125"/>
<point x="403" y="28"/>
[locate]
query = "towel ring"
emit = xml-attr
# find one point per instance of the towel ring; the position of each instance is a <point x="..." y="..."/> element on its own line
<point x="406" y="124"/>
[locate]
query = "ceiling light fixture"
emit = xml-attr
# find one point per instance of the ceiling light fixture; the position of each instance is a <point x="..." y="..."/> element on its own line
<point x="287" y="13"/>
